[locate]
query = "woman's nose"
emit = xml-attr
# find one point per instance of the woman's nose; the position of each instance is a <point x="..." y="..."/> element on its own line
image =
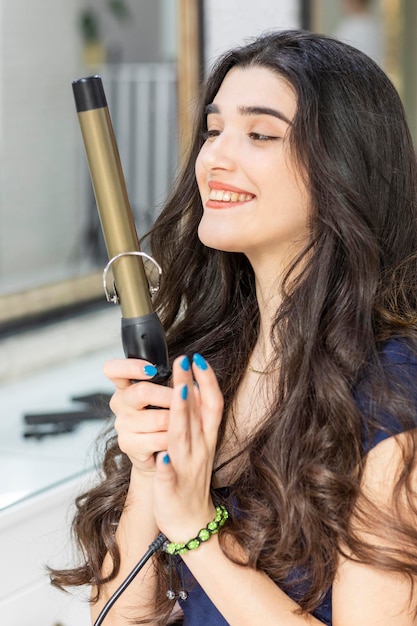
<point x="220" y="152"/>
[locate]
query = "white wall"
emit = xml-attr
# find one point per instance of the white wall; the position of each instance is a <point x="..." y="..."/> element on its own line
<point x="232" y="22"/>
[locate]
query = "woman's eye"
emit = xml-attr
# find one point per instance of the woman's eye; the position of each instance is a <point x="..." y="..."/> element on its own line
<point x="210" y="134"/>
<point x="262" y="137"/>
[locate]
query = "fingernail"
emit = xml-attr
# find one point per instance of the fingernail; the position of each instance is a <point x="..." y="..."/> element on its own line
<point x="200" y="362"/>
<point x="150" y="370"/>
<point x="185" y="364"/>
<point x="184" y="392"/>
<point x="166" y="459"/>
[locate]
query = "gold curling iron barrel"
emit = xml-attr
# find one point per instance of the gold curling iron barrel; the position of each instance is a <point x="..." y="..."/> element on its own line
<point x="142" y="333"/>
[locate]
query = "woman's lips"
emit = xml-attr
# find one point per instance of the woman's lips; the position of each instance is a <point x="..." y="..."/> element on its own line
<point x="222" y="195"/>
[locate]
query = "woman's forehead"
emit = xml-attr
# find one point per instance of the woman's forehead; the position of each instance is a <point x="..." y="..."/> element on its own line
<point x="256" y="87"/>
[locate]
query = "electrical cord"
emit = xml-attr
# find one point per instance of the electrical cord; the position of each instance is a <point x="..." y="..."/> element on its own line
<point x="156" y="545"/>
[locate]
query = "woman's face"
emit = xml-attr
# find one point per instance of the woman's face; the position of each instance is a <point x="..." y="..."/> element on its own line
<point x="254" y="198"/>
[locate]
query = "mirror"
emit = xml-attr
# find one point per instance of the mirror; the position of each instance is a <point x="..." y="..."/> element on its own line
<point x="51" y="250"/>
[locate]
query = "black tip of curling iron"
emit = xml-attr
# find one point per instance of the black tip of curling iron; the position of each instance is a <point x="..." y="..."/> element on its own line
<point x="89" y="93"/>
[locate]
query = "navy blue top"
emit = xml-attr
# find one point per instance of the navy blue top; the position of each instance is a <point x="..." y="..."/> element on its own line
<point x="400" y="365"/>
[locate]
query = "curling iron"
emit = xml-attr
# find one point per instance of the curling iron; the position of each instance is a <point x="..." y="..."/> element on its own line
<point x="142" y="333"/>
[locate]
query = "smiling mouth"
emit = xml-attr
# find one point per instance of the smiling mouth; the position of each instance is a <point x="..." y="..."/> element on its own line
<point x="220" y="195"/>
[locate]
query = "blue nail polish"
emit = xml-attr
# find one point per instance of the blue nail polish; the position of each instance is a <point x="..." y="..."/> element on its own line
<point x="200" y="362"/>
<point x="150" y="370"/>
<point x="185" y="364"/>
<point x="166" y="459"/>
<point x="184" y="392"/>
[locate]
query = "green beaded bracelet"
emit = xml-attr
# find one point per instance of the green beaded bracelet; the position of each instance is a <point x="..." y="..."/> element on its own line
<point x="222" y="515"/>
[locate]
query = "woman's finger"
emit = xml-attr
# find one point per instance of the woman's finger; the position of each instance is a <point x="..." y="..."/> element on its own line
<point x="135" y="422"/>
<point x="135" y="397"/>
<point x="122" y="371"/>
<point x="210" y="396"/>
<point x="179" y="432"/>
<point x="141" y="447"/>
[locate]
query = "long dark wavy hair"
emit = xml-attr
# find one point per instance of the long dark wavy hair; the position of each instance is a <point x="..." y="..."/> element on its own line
<point x="357" y="289"/>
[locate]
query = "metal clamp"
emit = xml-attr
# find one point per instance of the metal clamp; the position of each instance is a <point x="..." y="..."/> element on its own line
<point x="115" y="298"/>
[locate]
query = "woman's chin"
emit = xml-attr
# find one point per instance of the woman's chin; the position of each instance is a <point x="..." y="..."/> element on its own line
<point x="220" y="243"/>
<point x="224" y="240"/>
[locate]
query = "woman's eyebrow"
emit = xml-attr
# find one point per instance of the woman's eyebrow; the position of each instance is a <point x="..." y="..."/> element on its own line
<point x="211" y="108"/>
<point x="251" y="110"/>
<point x="260" y="110"/>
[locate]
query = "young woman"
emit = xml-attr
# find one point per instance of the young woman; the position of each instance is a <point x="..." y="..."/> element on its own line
<point x="289" y="263"/>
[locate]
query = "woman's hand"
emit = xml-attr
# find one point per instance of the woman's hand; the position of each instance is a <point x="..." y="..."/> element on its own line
<point x="141" y="431"/>
<point x="182" y="502"/>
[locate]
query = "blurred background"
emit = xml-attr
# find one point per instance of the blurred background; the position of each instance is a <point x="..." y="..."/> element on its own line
<point x="56" y="329"/>
<point x="49" y="231"/>
<point x="50" y="240"/>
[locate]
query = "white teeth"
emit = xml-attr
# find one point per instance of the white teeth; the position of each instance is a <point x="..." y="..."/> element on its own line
<point x="228" y="196"/>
